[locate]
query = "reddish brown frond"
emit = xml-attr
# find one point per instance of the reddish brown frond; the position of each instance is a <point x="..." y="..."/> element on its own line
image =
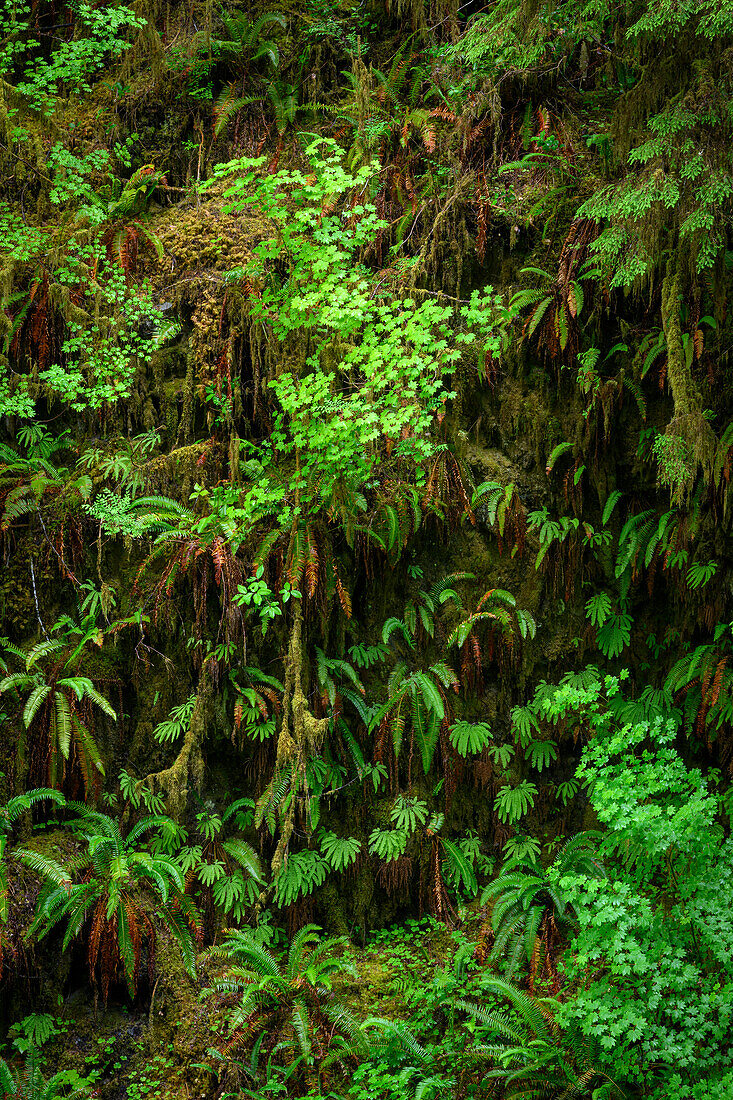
<point x="312" y="565"/>
<point x="297" y="557"/>
<point x="342" y="592"/>
<point x="99" y="921"/>
<point x="718" y="681"/>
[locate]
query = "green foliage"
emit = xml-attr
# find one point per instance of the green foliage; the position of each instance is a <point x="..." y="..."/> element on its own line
<point x="614" y="634"/>
<point x="32" y="482"/>
<point x="498" y="612"/>
<point x="598" y="608"/>
<point x="311" y="282"/>
<point x="387" y="844"/>
<point x="101" y="34"/>
<point x="225" y="869"/>
<point x="700" y="573"/>
<point x="458" y="862"/>
<point x="497" y="501"/>
<point x="407" y="813"/>
<point x="610" y="505"/>
<point x="104" y="906"/>
<point x="522" y="848"/>
<point x="340" y="852"/>
<point x="511" y="803"/>
<point x="556" y="306"/>
<point x="556" y="453"/>
<point x="29" y="1082"/>
<point x="419" y="696"/>
<point x="53" y="709"/>
<point x="528" y="901"/>
<point x="651" y="952"/>
<point x="9" y="814"/>
<point x="138" y="792"/>
<point x="176" y="723"/>
<point x="701" y="678"/>
<point x="550" y="531"/>
<point x="103" y="344"/>
<point x="308" y="425"/>
<point x="257" y="595"/>
<point x="300" y="875"/>
<point x="531" y="1055"/>
<point x="540" y="754"/>
<point x="242" y="46"/>
<point x="33" y="1031"/>
<point x="470" y="737"/>
<point x="294" y="994"/>
<point x="567" y="790"/>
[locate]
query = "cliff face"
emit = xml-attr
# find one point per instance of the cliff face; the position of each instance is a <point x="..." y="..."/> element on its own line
<point x="364" y="368"/>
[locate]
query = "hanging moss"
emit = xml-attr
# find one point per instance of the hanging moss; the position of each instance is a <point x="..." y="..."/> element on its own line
<point x="185" y="774"/>
<point x="300" y="738"/>
<point x="691" y="442"/>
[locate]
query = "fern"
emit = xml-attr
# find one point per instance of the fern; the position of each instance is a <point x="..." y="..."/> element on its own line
<point x="540" y="754"/>
<point x="44" y="866"/>
<point x="176" y="722"/>
<point x="511" y="803"/>
<point x="493" y="492"/>
<point x="567" y="790"/>
<point x="339" y="851"/>
<point x="700" y="573"/>
<point x="522" y="848"/>
<point x="615" y="634"/>
<point x="300" y="875"/>
<point x="392" y="625"/>
<point x="459" y="868"/>
<point x="598" y="608"/>
<point x="561" y="449"/>
<point x="365" y="656"/>
<point x="407" y="813"/>
<point x="21" y="803"/>
<point x="387" y="844"/>
<point x="501" y="754"/>
<point x="36" y="1029"/>
<point x="524" y="725"/>
<point x="609" y="506"/>
<point x="469" y="737"/>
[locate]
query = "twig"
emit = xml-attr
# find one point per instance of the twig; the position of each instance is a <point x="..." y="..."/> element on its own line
<point x="35" y="597"/>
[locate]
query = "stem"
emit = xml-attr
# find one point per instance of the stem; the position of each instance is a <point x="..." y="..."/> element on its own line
<point x="35" y="598"/>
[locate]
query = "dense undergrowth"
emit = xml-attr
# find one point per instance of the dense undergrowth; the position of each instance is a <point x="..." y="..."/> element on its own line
<point x="365" y="449"/>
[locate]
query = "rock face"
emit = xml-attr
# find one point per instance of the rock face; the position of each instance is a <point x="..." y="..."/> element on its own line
<point x="363" y="372"/>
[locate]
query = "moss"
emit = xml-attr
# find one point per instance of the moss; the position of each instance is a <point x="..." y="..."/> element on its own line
<point x="691" y="442"/>
<point x="300" y="737"/>
<point x="184" y="775"/>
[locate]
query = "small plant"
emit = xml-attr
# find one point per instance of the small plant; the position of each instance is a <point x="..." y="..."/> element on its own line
<point x="529" y="905"/>
<point x="290" y="1001"/>
<point x="469" y="738"/>
<point x="407" y="813"/>
<point x="106" y="905"/>
<point x="521" y="849"/>
<point x="56" y="709"/>
<point x="700" y="573"/>
<point x="33" y="1031"/>
<point x="29" y="1083"/>
<point x="175" y="725"/>
<point x="387" y="844"/>
<point x="225" y="869"/>
<point x="340" y="852"/>
<point x="257" y="595"/>
<point x="511" y="803"/>
<point x="300" y="875"/>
